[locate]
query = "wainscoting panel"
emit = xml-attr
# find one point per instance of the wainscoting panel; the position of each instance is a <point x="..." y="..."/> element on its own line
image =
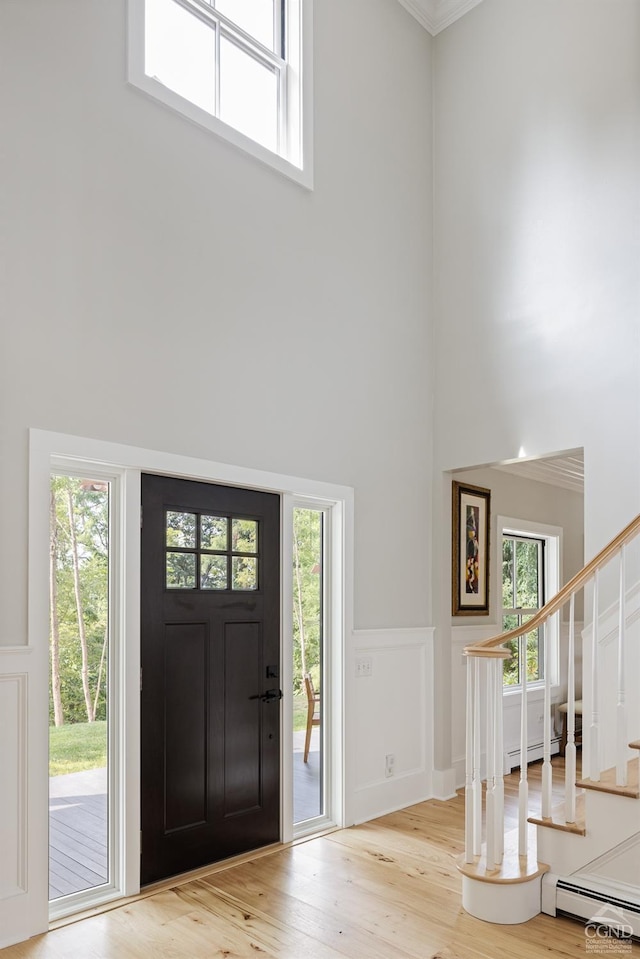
<point x="391" y="683"/>
<point x="13" y="839"/>
<point x="23" y="835"/>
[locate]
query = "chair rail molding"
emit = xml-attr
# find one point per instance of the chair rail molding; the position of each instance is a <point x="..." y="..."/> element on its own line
<point x="435" y="15"/>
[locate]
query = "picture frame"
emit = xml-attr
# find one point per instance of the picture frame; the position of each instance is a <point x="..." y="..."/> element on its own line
<point x="470" y="525"/>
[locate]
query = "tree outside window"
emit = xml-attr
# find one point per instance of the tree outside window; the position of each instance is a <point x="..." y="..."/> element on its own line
<point x="522" y="596"/>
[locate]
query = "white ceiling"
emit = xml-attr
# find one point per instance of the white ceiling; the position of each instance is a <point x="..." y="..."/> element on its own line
<point x="565" y="471"/>
<point x="435" y="15"/>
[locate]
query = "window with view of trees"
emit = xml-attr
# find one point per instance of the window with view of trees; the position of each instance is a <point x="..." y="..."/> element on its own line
<point x="523" y="578"/>
<point x="79" y="687"/>
<point x="308" y="673"/>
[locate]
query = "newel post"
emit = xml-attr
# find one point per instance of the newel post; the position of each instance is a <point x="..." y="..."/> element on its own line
<point x="484" y="724"/>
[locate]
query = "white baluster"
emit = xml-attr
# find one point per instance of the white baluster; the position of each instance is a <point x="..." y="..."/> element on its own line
<point x="499" y="760"/>
<point x="477" y="779"/>
<point x="469" y="839"/>
<point x="595" y="762"/>
<point x="570" y="750"/>
<point x="523" y="787"/>
<point x="491" y="784"/>
<point x="621" y="709"/>
<point x="547" y="770"/>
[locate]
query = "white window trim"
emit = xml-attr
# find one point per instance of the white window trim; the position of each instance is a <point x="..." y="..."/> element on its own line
<point x="552" y="536"/>
<point x="296" y="163"/>
<point x="128" y="462"/>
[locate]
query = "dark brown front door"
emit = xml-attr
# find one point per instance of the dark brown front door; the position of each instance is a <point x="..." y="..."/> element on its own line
<point x="210" y="673"/>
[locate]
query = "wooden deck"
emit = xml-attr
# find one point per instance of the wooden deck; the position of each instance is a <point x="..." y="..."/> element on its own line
<point x="78" y="850"/>
<point x="77" y="832"/>
<point x="307" y="797"/>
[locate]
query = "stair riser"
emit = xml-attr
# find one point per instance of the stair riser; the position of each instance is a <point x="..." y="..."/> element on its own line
<point x="610" y="821"/>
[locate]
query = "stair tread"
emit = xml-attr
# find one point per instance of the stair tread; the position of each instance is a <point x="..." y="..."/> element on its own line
<point x="557" y="819"/>
<point x="607" y="782"/>
<point x="513" y="869"/>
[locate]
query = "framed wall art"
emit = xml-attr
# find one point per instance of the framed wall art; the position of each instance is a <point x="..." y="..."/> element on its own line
<point x="470" y="524"/>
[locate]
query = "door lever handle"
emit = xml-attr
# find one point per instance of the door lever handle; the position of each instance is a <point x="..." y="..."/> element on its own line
<point x="271" y="696"/>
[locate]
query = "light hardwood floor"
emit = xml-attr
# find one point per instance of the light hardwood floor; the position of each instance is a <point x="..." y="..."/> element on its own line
<point x="388" y="889"/>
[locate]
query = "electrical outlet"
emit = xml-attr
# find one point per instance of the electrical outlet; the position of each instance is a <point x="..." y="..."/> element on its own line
<point x="389" y="764"/>
<point x="364" y="666"/>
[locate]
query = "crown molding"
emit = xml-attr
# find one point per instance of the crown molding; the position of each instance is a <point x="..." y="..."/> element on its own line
<point x="435" y="15"/>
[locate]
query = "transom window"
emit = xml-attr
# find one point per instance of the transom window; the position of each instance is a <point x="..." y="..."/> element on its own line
<point x="233" y="66"/>
<point x="523" y="578"/>
<point x="211" y="552"/>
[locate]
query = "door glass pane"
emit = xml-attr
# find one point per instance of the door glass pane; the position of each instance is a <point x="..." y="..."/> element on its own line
<point x="244" y="571"/>
<point x="248" y="95"/>
<point x="181" y="571"/>
<point x="213" y="532"/>
<point x="308" y="679"/>
<point x="78" y="684"/>
<point x="181" y="530"/>
<point x="213" y="572"/>
<point x="253" y="16"/>
<point x="180" y="52"/>
<point x="244" y="536"/>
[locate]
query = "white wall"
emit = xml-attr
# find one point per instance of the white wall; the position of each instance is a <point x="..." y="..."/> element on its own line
<point x="166" y="291"/>
<point x="537" y="339"/>
<point x="162" y="290"/>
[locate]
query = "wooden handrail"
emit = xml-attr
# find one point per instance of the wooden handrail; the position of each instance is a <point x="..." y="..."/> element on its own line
<point x="491" y="647"/>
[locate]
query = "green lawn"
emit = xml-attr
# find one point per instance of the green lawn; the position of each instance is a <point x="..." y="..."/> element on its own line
<point x="77" y="746"/>
<point x="299" y="713"/>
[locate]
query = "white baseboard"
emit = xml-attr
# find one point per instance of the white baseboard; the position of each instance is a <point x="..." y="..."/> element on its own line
<point x="535" y="752"/>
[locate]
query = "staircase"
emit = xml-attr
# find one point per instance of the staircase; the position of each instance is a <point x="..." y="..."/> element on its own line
<point x="581" y="857"/>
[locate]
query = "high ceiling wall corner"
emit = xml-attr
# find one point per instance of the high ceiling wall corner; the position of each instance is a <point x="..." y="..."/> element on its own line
<point x="435" y="15"/>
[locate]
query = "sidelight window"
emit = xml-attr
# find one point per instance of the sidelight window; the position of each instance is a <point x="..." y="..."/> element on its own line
<point x="84" y="864"/>
<point x="309" y="674"/>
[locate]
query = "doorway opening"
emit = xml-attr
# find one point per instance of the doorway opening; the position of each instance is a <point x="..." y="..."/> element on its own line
<point x="79" y="688"/>
<point x="80" y="458"/>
